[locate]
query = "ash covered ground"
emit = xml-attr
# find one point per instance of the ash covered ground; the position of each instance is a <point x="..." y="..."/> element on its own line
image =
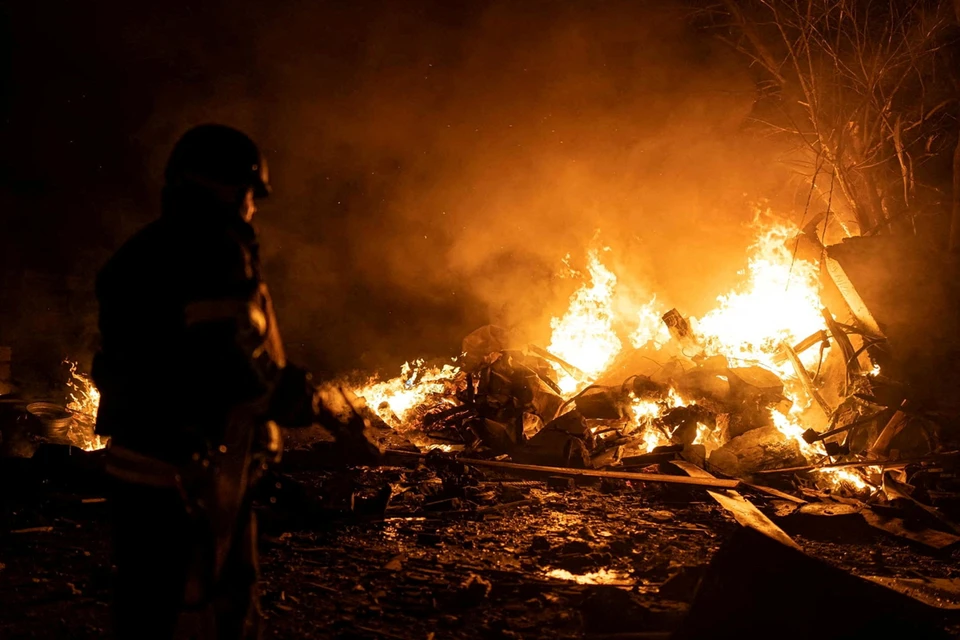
<point x="427" y="550"/>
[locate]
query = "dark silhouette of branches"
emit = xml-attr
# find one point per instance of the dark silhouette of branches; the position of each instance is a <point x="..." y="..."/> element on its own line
<point x="864" y="85"/>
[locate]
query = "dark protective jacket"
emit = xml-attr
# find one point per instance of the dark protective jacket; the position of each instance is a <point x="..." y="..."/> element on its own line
<point x="189" y="334"/>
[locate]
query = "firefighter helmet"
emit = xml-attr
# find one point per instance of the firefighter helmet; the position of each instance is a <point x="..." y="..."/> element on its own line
<point x="214" y="154"/>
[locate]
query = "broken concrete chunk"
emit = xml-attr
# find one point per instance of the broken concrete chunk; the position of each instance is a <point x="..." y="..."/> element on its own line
<point x="545" y="401"/>
<point x="499" y="436"/>
<point x="763" y="448"/>
<point x="755" y="384"/>
<point x="602" y="403"/>
<point x="695" y="453"/>
<point x="532" y="424"/>
<point x="737" y="424"/>
<point x="481" y="343"/>
<point x="704" y="383"/>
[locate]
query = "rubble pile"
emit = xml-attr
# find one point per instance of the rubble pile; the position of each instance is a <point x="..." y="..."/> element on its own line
<point x="740" y="392"/>
<point x="509" y="403"/>
<point x="809" y="419"/>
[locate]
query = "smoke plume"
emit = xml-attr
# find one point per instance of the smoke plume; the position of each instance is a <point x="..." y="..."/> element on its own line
<point x="433" y="162"/>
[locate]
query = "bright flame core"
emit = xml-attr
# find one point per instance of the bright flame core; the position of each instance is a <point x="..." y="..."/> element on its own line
<point x="779" y="302"/>
<point x="650" y="326"/>
<point x="394" y="400"/>
<point x="584" y="336"/>
<point x="644" y="414"/>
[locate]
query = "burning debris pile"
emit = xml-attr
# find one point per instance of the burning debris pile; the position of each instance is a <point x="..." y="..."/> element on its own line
<point x="769" y="380"/>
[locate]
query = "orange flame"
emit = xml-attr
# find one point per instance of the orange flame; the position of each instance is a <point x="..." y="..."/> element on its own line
<point x="584" y="336"/>
<point x="84" y="403"/>
<point x="395" y="400"/>
<point x="650" y="327"/>
<point x="644" y="413"/>
<point x="778" y="302"/>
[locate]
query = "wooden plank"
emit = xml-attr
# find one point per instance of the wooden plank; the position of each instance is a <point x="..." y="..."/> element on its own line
<point x="571" y="369"/>
<point x="839" y="335"/>
<point x="616" y="475"/>
<point x="896" y="424"/>
<point x="855" y="303"/>
<point x="743" y="511"/>
<point x="711" y="482"/>
<point x="805" y="380"/>
<point x="776" y="493"/>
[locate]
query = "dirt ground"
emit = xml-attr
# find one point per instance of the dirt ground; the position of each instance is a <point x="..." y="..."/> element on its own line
<point x="433" y="552"/>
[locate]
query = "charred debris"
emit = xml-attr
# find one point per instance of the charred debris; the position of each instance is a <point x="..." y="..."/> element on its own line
<point x="870" y="440"/>
<point x="876" y="459"/>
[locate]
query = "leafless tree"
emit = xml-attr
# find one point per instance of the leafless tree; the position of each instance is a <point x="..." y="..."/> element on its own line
<point x="865" y="87"/>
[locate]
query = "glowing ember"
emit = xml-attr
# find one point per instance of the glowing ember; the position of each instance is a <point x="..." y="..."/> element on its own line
<point x="584" y="336"/>
<point x="707" y="438"/>
<point x="394" y="400"/>
<point x="838" y="477"/>
<point x="652" y="438"/>
<point x="603" y="576"/>
<point x="445" y="448"/>
<point x="84" y="403"/>
<point x="789" y="425"/>
<point x="644" y="413"/>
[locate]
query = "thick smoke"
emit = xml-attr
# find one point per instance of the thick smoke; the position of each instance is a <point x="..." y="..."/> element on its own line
<point x="433" y="163"/>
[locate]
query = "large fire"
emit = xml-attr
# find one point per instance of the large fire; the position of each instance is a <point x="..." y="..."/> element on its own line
<point x="776" y="303"/>
<point x="650" y="327"/>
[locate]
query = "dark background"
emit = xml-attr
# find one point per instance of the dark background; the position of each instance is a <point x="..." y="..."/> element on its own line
<point x="433" y="161"/>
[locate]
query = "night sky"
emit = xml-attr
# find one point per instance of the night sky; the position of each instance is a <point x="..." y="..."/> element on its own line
<point x="432" y="161"/>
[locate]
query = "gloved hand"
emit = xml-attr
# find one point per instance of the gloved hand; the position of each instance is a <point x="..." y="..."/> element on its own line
<point x="339" y="411"/>
<point x="291" y="404"/>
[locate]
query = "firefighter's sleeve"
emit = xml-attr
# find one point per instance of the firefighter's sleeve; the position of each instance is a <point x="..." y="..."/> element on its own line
<point x="221" y="359"/>
<point x="231" y="343"/>
<point x="291" y="403"/>
<point x="339" y="411"/>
